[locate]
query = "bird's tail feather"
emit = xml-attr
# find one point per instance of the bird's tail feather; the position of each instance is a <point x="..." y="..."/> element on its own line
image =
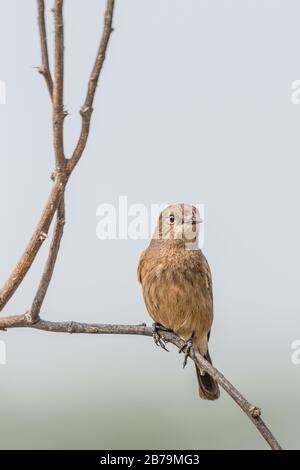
<point x="208" y="387"/>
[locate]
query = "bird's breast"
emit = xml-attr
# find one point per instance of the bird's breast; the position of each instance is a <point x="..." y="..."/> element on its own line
<point x="176" y="293"/>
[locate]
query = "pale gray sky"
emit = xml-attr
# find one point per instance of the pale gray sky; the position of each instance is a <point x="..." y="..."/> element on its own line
<point x="194" y="106"/>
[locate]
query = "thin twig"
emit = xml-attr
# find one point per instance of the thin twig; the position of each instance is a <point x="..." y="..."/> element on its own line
<point x="253" y="412"/>
<point x="50" y="263"/>
<point x="44" y="69"/>
<point x="14" y="321"/>
<point x="87" y="108"/>
<point x="58" y="87"/>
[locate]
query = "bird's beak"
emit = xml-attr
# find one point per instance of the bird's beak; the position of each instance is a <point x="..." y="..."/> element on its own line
<point x="194" y="221"/>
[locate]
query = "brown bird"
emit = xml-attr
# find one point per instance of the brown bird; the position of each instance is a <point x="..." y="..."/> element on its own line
<point x="177" y="286"/>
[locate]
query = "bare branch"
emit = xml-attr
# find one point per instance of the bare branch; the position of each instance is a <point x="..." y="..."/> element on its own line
<point x="87" y="108"/>
<point x="253" y="412"/>
<point x="50" y="263"/>
<point x="58" y="87"/>
<point x="61" y="177"/>
<point x="44" y="69"/>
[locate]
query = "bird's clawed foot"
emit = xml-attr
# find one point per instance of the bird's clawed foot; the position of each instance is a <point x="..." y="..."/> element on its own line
<point x="158" y="340"/>
<point x="186" y="349"/>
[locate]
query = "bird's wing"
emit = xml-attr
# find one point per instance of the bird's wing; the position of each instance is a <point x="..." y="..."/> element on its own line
<point x="207" y="276"/>
<point x="140" y="266"/>
<point x="206" y="273"/>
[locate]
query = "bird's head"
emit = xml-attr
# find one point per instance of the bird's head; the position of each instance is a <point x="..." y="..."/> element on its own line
<point x="178" y="222"/>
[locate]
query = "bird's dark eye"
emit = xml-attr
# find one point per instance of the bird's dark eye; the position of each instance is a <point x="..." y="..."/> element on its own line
<point x="172" y="219"/>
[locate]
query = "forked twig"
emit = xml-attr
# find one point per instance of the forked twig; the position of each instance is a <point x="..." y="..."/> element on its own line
<point x="61" y="177"/>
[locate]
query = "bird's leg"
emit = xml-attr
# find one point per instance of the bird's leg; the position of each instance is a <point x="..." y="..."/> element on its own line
<point x="186" y="348"/>
<point x="158" y="340"/>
